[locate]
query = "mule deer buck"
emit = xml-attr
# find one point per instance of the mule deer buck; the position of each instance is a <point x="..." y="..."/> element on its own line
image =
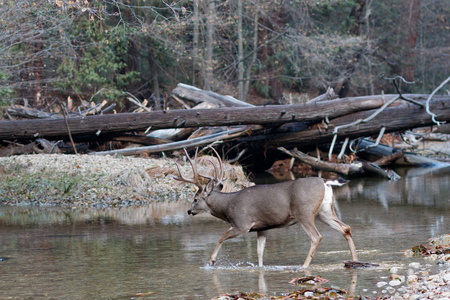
<point x="263" y="207"/>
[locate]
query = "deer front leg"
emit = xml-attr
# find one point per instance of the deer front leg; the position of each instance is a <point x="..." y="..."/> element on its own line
<point x="261" y="241"/>
<point x="229" y="234"/>
<point x="315" y="237"/>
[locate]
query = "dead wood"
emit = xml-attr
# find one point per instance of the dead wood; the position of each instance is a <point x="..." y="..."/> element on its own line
<point x="341" y="169"/>
<point x="262" y="115"/>
<point x="388" y="159"/>
<point x="374" y="169"/>
<point x="28" y="112"/>
<point x="38" y="146"/>
<point x="197" y="95"/>
<point x="141" y="139"/>
<point x="396" y="118"/>
<point x="366" y="149"/>
<point x="329" y="95"/>
<point x="196" y="142"/>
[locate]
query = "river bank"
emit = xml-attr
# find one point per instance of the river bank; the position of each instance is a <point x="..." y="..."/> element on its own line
<point x="97" y="181"/>
<point x="85" y="180"/>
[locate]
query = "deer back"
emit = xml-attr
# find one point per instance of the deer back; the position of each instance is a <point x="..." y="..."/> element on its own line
<point x="269" y="206"/>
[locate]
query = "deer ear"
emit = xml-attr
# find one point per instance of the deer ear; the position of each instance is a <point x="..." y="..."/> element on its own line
<point x="218" y="187"/>
<point x="209" y="187"/>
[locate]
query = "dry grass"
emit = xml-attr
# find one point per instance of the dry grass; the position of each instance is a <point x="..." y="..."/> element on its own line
<point x="87" y="180"/>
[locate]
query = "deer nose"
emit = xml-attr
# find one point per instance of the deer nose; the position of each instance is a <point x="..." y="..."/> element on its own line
<point x="189" y="212"/>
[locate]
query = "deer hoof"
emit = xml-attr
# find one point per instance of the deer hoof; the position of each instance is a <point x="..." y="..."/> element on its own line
<point x="212" y="262"/>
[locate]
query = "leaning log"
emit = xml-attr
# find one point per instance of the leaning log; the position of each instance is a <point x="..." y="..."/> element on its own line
<point x="352" y="169"/>
<point x="259" y="115"/>
<point x="343" y="169"/>
<point x="197" y="95"/>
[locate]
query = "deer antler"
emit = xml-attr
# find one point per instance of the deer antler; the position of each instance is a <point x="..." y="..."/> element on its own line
<point x="193" y="163"/>
<point x="218" y="171"/>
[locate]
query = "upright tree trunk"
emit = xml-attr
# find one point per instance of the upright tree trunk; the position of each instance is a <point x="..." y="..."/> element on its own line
<point x="254" y="56"/>
<point x="210" y="20"/>
<point x="155" y="82"/>
<point x="410" y="21"/>
<point x="368" y="34"/>
<point x="273" y="23"/>
<point x="195" y="42"/>
<point x="240" y="53"/>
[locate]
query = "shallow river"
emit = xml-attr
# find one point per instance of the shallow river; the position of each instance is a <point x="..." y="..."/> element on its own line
<point x="159" y="252"/>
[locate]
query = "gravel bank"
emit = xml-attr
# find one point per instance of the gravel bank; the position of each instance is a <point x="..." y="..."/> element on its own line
<point x="85" y="180"/>
<point x="91" y="180"/>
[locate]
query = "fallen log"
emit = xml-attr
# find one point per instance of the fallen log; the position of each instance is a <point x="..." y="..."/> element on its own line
<point x="141" y="139"/>
<point x="197" y="95"/>
<point x="196" y="142"/>
<point x="341" y="168"/>
<point x="261" y="115"/>
<point x="39" y="146"/>
<point x="28" y="112"/>
<point x="396" y="118"/>
<point x="388" y="159"/>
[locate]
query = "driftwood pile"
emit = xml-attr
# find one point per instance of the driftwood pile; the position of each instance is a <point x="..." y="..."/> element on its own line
<point x="196" y="118"/>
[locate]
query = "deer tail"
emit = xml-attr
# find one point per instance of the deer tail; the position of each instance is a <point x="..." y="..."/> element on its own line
<point x="338" y="182"/>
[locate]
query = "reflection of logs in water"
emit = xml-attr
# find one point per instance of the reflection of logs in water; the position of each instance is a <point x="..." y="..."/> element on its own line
<point x="430" y="189"/>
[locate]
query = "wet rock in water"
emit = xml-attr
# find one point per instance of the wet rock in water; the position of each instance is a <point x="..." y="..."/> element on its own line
<point x="396" y="279"/>
<point x="412" y="279"/>
<point x="311" y="280"/>
<point x="441" y="240"/>
<point x="353" y="264"/>
<point x="414" y="265"/>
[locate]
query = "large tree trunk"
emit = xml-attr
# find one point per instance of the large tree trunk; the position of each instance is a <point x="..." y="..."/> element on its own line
<point x="258" y="115"/>
<point x="410" y="19"/>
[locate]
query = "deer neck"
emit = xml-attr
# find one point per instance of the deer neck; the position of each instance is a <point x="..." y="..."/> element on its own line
<point x="218" y="204"/>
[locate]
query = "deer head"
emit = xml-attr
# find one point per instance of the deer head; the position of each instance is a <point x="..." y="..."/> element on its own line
<point x="200" y="203"/>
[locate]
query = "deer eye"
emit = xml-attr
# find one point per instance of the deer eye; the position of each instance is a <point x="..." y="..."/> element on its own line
<point x="195" y="200"/>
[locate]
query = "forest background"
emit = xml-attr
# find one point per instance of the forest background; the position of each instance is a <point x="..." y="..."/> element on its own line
<point x="280" y="51"/>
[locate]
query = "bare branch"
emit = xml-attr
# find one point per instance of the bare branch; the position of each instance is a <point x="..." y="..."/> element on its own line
<point x="427" y="104"/>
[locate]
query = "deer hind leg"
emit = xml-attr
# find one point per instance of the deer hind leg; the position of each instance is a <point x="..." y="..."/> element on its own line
<point x="328" y="216"/>
<point x="229" y="234"/>
<point x="261" y="239"/>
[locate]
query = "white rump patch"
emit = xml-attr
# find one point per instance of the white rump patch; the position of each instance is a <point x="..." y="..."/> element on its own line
<point x="327" y="202"/>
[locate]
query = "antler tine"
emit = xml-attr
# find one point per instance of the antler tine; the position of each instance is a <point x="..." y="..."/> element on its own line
<point x="193" y="163"/>
<point x="219" y="171"/>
